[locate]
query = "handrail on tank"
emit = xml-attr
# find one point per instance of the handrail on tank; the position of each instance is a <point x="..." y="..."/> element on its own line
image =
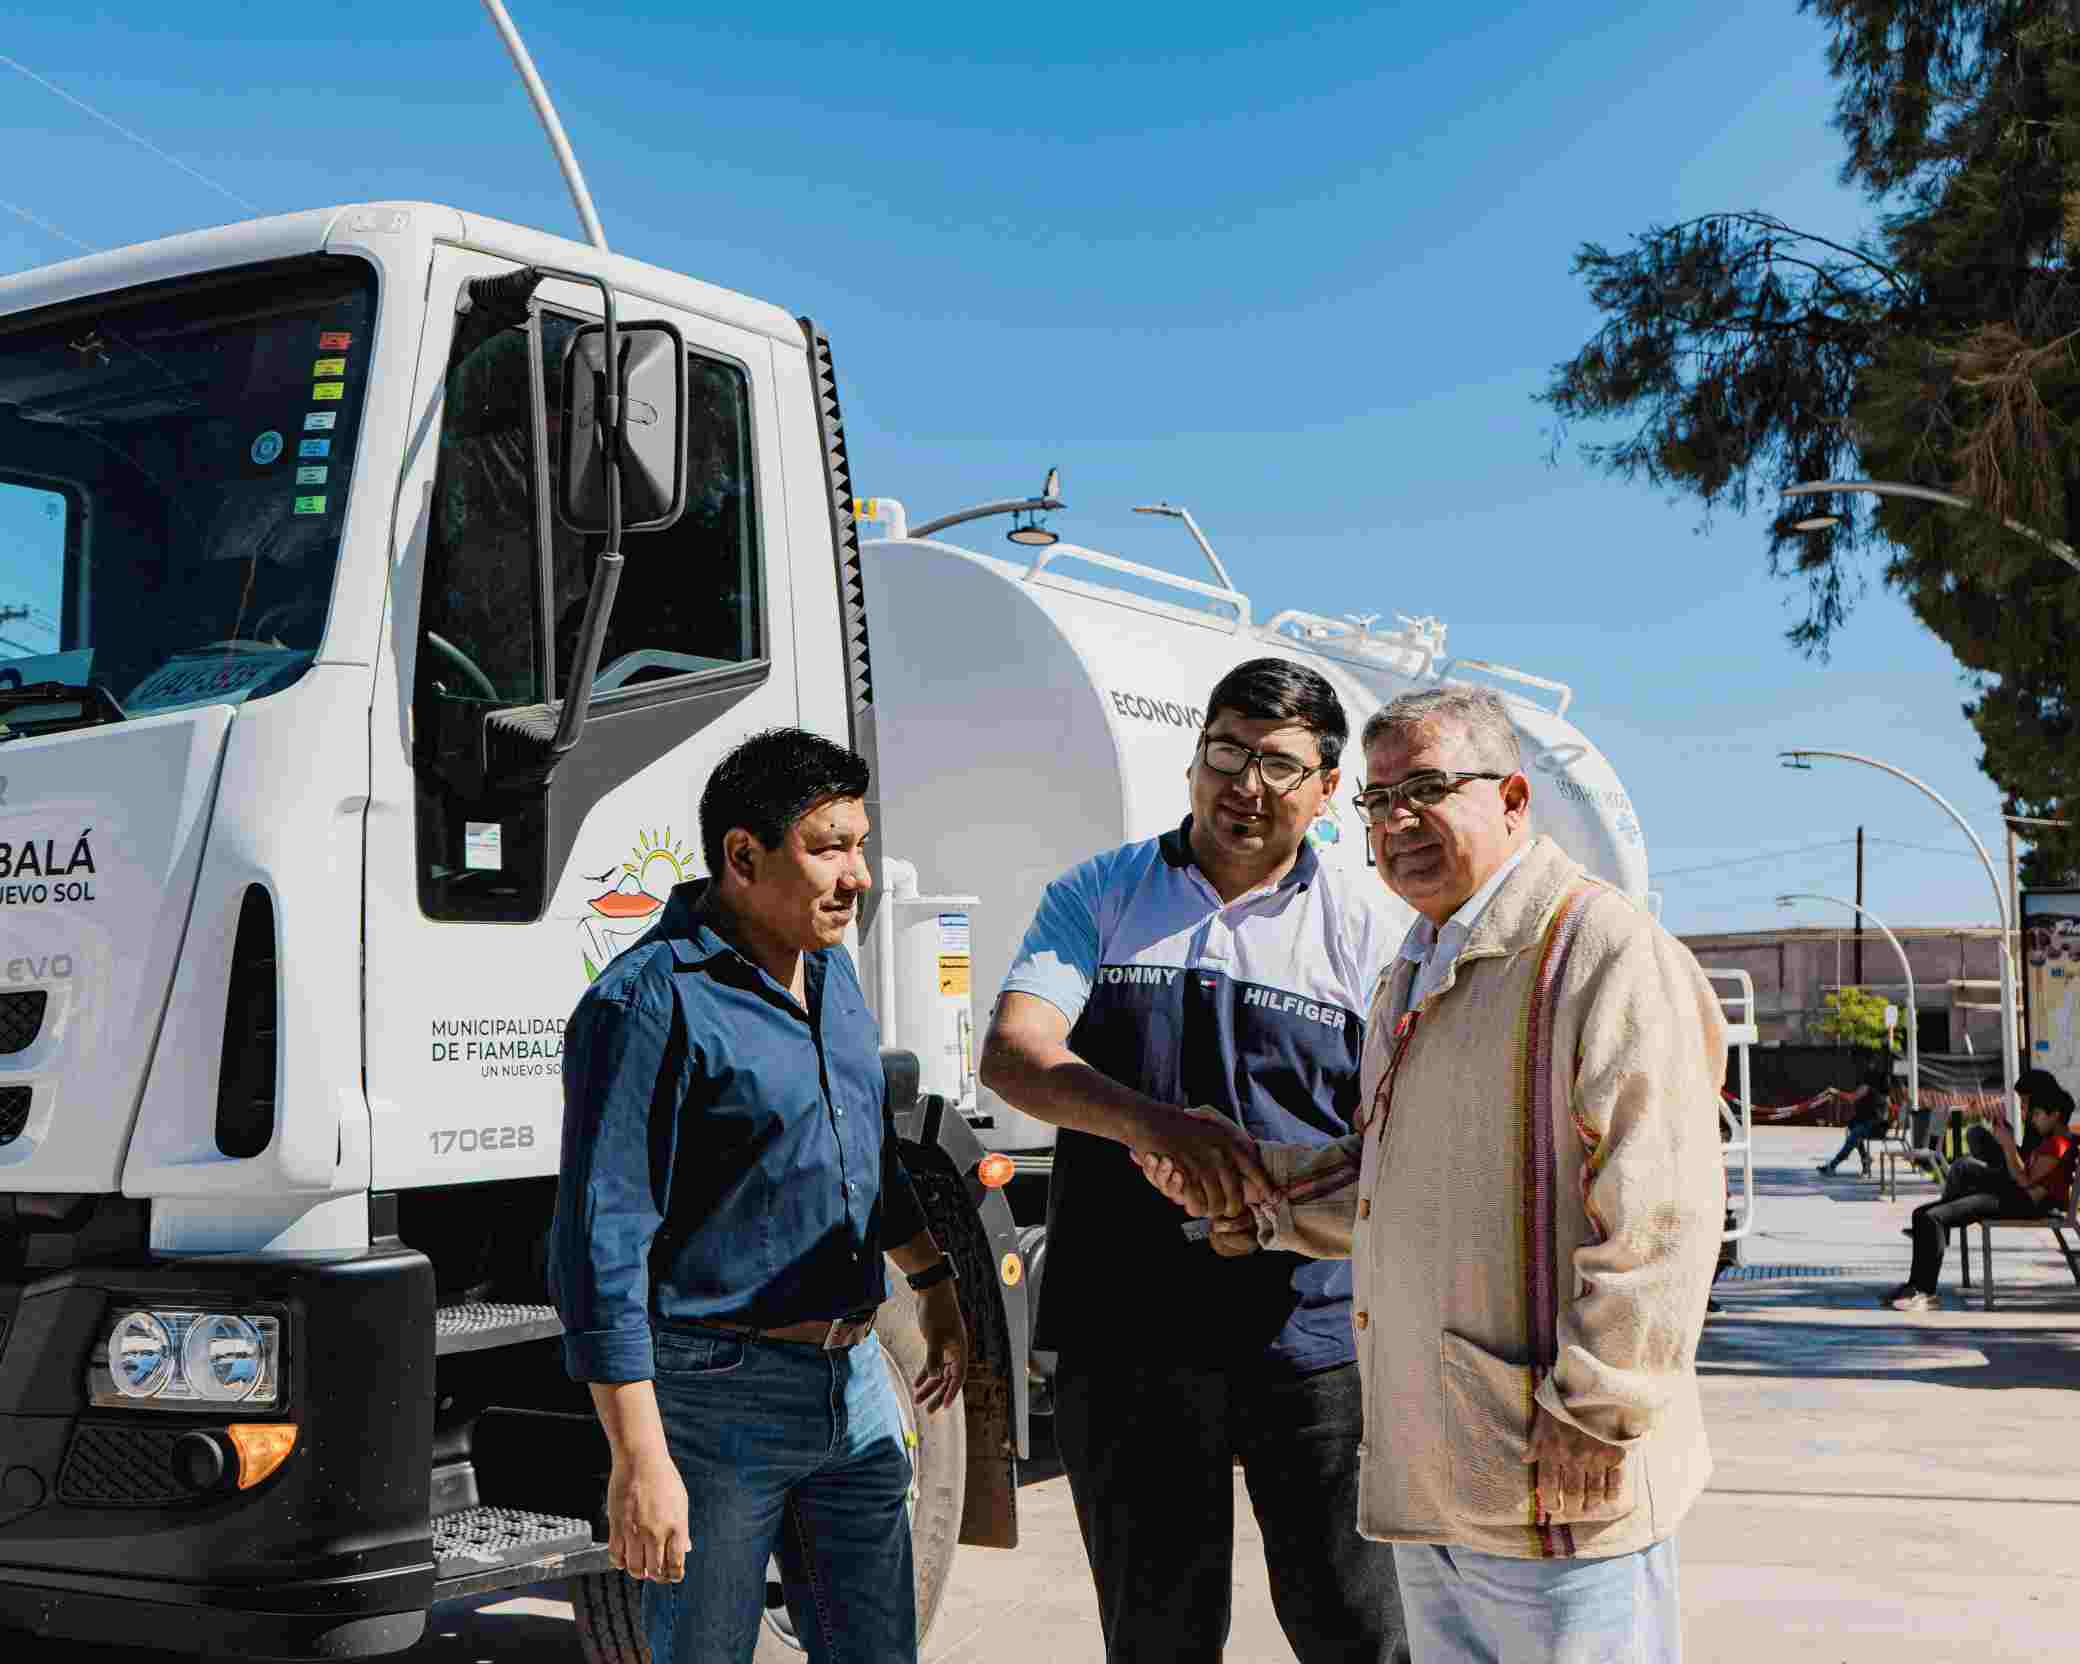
<point x="1345" y="627"/>
<point x="1152" y="574"/>
<point x="1511" y="673"/>
<point x="1741" y="1033"/>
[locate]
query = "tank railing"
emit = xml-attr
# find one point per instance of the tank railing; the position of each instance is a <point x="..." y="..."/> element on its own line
<point x="1510" y="673"/>
<point x="1741" y="1033"/>
<point x="1307" y="627"/>
<point x="1148" y="574"/>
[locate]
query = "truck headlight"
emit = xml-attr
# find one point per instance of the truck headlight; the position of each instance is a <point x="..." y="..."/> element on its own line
<point x="140" y="1356"/>
<point x="186" y="1360"/>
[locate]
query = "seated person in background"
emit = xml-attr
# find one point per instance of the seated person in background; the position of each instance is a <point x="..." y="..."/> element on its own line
<point x="2006" y="1183"/>
<point x="1867" y="1120"/>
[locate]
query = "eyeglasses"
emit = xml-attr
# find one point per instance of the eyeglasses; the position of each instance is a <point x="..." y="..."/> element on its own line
<point x="1377" y="804"/>
<point x="1279" y="772"/>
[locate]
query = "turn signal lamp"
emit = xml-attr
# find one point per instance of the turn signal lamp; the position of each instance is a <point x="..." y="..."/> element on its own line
<point x="262" y="1447"/>
<point x="995" y="1170"/>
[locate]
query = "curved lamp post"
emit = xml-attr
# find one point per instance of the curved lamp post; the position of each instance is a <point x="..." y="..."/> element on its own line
<point x="1922" y="493"/>
<point x="1797" y="759"/>
<point x="1913" y="1026"/>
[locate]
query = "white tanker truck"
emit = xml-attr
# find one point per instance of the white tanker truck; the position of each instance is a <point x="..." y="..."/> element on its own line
<point x="332" y="765"/>
<point x="1069" y="683"/>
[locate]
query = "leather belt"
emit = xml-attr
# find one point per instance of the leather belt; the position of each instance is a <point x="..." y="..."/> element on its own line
<point x="831" y="1336"/>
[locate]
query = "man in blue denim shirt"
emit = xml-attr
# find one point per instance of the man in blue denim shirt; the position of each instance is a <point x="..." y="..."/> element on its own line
<point x="729" y="1183"/>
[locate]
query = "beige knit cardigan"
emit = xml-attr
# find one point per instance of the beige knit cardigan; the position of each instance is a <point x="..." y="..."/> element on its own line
<point x="1533" y="1214"/>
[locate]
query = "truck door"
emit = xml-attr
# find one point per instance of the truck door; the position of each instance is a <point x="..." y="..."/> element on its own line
<point x="491" y="904"/>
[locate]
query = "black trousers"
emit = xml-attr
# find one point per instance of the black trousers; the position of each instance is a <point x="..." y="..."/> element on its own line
<point x="1975" y="1190"/>
<point x="1150" y="1451"/>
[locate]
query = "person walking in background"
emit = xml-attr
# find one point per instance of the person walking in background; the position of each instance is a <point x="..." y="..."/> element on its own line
<point x="1219" y="965"/>
<point x="1999" y="1180"/>
<point x="729" y="1184"/>
<point x="1868" y="1120"/>
<point x="1532" y="1204"/>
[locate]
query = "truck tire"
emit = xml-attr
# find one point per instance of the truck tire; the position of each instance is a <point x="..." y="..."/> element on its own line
<point x="609" y="1605"/>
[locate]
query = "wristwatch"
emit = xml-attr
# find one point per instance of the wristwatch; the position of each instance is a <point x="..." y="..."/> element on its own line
<point x="932" y="1275"/>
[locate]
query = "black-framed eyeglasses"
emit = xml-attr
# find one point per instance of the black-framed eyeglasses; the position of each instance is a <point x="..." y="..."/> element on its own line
<point x="1377" y="804"/>
<point x="1279" y="772"/>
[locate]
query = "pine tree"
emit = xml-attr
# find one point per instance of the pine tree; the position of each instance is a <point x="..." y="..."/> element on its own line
<point x="1741" y="354"/>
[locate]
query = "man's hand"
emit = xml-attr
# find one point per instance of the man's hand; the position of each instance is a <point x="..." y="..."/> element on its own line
<point x="1216" y="1162"/>
<point x="1576" y="1471"/>
<point x="1231" y="1236"/>
<point x="646" y="1515"/>
<point x="945" y="1348"/>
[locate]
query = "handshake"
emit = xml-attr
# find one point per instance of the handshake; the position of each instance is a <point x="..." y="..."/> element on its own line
<point x="1210" y="1167"/>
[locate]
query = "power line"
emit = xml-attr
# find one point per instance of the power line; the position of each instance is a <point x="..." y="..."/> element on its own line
<point x="1926" y="849"/>
<point x="45" y="226"/>
<point x="134" y="138"/>
<point x="1750" y="860"/>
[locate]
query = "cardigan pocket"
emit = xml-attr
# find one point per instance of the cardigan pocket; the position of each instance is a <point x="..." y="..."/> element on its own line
<point x="1488" y="1411"/>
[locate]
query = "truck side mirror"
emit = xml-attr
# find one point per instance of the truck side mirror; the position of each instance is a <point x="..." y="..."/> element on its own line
<point x="651" y="446"/>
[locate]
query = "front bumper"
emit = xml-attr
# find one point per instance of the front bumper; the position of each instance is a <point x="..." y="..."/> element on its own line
<point x="331" y="1556"/>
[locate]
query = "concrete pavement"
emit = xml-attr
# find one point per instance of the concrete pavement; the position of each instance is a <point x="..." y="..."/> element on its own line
<point x="1889" y="1489"/>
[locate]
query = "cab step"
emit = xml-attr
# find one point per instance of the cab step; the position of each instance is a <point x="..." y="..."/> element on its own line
<point x="483" y="1548"/>
<point x="479" y="1325"/>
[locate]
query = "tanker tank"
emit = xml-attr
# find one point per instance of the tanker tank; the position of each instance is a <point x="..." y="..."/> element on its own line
<point x="1028" y="719"/>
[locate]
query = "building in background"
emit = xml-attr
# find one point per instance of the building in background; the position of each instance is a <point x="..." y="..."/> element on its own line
<point x="1956" y="978"/>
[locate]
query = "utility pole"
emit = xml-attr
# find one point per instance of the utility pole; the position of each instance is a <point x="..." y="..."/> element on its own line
<point x="1859" y="907"/>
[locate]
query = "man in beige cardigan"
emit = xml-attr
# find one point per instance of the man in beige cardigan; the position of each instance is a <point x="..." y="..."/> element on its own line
<point x="1532" y="1205"/>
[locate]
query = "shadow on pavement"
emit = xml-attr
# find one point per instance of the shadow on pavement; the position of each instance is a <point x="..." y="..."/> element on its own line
<point x="1940" y="1356"/>
<point x="510" y="1623"/>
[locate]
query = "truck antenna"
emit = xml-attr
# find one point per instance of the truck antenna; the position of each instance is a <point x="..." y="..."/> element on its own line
<point x="551" y="125"/>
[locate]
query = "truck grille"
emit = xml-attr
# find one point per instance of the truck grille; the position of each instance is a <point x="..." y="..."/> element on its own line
<point x="21" y="1020"/>
<point x="14" y="1112"/>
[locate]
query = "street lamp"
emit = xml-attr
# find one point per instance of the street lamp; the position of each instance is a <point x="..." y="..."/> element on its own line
<point x="1026" y="530"/>
<point x="1799" y="759"/>
<point x="1177" y="511"/>
<point x="1913" y="1015"/>
<point x="1921" y="493"/>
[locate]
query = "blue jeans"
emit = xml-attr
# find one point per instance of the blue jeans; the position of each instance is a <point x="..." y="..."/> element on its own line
<point x="1857" y="1133"/>
<point x="1489" y="1609"/>
<point x="791" y="1451"/>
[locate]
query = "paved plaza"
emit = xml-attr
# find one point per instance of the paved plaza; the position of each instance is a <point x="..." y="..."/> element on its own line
<point x="1892" y="1489"/>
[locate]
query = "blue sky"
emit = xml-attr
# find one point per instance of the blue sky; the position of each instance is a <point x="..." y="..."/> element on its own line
<point x="1301" y="274"/>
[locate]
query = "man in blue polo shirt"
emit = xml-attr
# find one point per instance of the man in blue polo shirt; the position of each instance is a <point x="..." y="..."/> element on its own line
<point x="1220" y="966"/>
<point x="728" y="1186"/>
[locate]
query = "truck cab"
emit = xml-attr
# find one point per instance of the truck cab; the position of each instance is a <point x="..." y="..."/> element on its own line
<point x="296" y="891"/>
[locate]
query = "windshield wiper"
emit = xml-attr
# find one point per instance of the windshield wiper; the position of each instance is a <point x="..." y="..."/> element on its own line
<point x="97" y="705"/>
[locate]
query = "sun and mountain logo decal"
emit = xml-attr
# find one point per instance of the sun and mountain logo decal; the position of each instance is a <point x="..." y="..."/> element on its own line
<point x="622" y="914"/>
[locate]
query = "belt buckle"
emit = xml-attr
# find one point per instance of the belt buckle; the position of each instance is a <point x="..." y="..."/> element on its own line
<point x="848" y="1331"/>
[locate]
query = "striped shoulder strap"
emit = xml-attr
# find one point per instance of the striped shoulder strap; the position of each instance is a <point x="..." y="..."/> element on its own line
<point x="1539" y="1216"/>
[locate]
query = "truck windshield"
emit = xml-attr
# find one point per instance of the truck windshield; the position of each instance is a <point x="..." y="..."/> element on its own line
<point x="173" y="470"/>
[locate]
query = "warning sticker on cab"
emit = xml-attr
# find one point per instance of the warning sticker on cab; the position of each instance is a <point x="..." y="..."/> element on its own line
<point x="953" y="974"/>
<point x="335" y="340"/>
